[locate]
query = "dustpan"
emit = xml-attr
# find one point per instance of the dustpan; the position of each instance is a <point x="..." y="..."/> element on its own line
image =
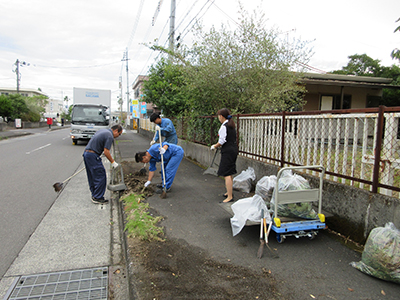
<point x="117" y="187"/>
<point x="213" y="168"/>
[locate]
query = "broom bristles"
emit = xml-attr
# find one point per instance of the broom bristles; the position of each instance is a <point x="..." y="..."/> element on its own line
<point x="163" y="195"/>
<point x="58" y="186"/>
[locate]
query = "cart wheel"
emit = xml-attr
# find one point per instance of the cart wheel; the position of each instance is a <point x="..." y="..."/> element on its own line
<point x="280" y="238"/>
<point x="313" y="235"/>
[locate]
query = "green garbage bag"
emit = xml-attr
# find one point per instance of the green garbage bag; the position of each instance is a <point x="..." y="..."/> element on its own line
<point x="381" y="255"/>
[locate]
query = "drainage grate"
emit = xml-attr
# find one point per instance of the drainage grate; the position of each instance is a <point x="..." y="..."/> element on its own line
<point x="79" y="284"/>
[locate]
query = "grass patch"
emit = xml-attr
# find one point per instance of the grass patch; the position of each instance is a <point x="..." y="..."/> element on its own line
<point x="140" y="224"/>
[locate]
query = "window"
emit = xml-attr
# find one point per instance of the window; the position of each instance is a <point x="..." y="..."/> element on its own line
<point x="373" y="101"/>
<point x="329" y="102"/>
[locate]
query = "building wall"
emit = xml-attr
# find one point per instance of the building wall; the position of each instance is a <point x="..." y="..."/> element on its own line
<point x="53" y="108"/>
<point x="358" y="95"/>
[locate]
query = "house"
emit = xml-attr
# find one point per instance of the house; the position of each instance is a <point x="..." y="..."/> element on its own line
<point x="22" y="92"/>
<point x="331" y="91"/>
<point x="324" y="91"/>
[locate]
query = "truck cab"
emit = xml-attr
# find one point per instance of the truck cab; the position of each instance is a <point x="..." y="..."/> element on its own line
<point x="86" y="119"/>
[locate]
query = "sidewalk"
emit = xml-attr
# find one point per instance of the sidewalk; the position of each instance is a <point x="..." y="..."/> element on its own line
<point x="305" y="269"/>
<point x="76" y="250"/>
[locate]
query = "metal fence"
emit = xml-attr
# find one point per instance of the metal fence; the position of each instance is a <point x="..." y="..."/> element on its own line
<point x="360" y="147"/>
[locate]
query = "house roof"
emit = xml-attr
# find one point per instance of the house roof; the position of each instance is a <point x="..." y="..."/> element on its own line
<point x="139" y="79"/>
<point x="348" y="80"/>
<point x="14" y="90"/>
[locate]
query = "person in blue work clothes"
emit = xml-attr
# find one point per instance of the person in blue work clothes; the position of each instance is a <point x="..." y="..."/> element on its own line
<point x="172" y="155"/>
<point x="101" y="142"/>
<point x="167" y="129"/>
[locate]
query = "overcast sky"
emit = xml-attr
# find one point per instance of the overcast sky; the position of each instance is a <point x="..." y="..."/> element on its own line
<point x="81" y="43"/>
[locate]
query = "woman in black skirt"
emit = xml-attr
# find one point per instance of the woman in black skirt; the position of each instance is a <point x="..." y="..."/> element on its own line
<point x="229" y="151"/>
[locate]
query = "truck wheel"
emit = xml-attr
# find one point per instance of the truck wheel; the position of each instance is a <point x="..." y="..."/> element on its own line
<point x="74" y="142"/>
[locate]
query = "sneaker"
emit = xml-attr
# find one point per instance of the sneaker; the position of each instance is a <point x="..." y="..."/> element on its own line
<point x="99" y="201"/>
<point x="159" y="186"/>
<point x="159" y="191"/>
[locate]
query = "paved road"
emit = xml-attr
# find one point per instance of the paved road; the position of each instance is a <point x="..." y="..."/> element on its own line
<point x="28" y="164"/>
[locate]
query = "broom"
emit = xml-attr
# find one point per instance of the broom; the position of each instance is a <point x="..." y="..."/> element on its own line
<point x="164" y="192"/>
<point x="59" y="185"/>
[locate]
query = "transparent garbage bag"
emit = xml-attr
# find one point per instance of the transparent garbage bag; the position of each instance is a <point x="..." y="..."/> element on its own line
<point x="292" y="182"/>
<point x="244" y="181"/>
<point x="381" y="255"/>
<point x="265" y="186"/>
<point x="248" y="209"/>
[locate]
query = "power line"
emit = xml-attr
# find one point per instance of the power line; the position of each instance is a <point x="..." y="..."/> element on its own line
<point x="226" y="14"/>
<point x="196" y="17"/>
<point x="310" y="67"/>
<point x="81" y="67"/>
<point x="183" y="19"/>
<point x="135" y="24"/>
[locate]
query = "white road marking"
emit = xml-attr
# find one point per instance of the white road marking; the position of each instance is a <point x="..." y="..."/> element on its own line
<point x="40" y="148"/>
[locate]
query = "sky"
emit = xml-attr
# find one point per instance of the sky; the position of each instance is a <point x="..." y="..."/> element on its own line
<point x="83" y="43"/>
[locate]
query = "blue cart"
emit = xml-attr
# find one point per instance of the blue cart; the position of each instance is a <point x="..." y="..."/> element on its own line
<point x="298" y="227"/>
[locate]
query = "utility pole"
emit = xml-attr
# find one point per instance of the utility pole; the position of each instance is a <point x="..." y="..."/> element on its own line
<point x="120" y="101"/>
<point x="17" y="63"/>
<point x="127" y="79"/>
<point x="172" y="27"/>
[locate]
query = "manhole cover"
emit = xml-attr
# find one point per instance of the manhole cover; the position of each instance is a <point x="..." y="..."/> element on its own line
<point x="79" y="284"/>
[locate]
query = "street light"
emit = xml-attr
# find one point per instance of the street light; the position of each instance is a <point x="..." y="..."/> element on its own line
<point x="18" y="63"/>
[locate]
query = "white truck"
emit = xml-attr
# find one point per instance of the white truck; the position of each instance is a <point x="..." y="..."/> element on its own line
<point x="90" y="112"/>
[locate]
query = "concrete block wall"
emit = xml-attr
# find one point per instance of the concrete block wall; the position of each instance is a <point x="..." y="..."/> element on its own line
<point x="354" y="212"/>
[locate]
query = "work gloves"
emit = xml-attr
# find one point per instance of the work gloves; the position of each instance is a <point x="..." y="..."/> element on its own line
<point x="114" y="164"/>
<point x="162" y="150"/>
<point x="152" y="142"/>
<point x="147" y="184"/>
<point x="213" y="147"/>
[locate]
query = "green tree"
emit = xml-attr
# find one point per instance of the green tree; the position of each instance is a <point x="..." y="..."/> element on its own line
<point x="20" y="109"/>
<point x="396" y="52"/>
<point x="6" y="106"/>
<point x="67" y="116"/>
<point x="361" y="65"/>
<point x="166" y="88"/>
<point x="36" y="108"/>
<point x="391" y="97"/>
<point x="15" y="106"/>
<point x="248" y="69"/>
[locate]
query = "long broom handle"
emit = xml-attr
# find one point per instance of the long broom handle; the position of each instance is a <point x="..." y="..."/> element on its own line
<point x="74" y="175"/>
<point x="162" y="156"/>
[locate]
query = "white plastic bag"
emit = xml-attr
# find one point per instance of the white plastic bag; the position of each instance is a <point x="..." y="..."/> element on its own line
<point x="381" y="255"/>
<point x="244" y="181"/>
<point x="248" y="209"/>
<point x="265" y="186"/>
<point x="292" y="182"/>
